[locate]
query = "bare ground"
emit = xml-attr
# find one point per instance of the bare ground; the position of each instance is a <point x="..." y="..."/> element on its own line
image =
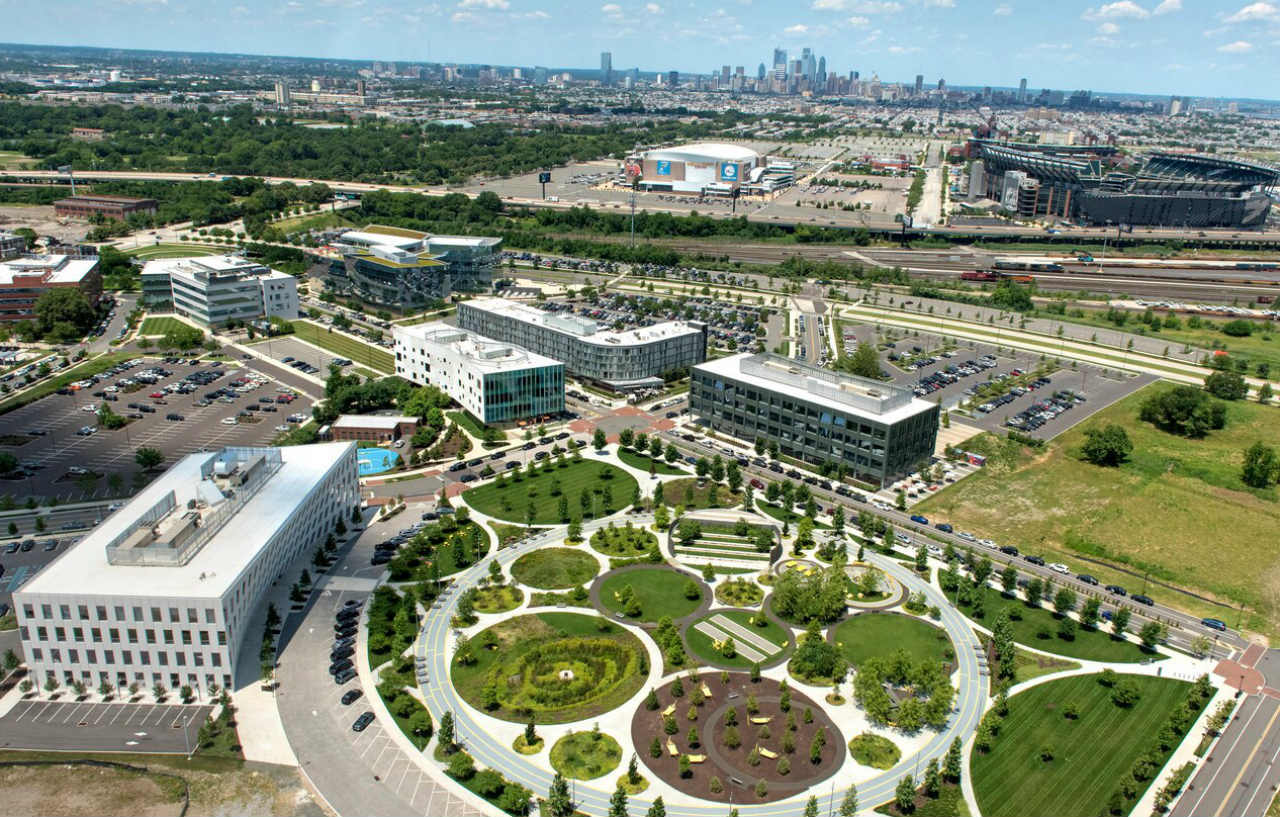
<point x="41" y="219"/>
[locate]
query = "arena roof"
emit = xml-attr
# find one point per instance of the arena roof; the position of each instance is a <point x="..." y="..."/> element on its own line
<point x="717" y="151"/>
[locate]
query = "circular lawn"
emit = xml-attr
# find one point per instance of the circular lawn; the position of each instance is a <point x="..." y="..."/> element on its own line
<point x="585" y="755"/>
<point x="867" y="635"/>
<point x="557" y="492"/>
<point x="555" y="568"/>
<point x="657" y="592"/>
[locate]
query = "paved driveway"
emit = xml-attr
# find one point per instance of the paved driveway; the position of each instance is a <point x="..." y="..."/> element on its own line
<point x="103" y="727"/>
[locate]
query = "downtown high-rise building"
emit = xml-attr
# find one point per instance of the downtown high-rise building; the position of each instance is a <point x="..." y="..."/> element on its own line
<point x="780" y="58"/>
<point x="606" y="67"/>
<point x="919" y="84"/>
<point x="760" y="73"/>
<point x="1022" y="90"/>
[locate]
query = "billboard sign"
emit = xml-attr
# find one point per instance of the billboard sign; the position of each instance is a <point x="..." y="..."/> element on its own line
<point x="544" y="177"/>
<point x="728" y="172"/>
<point x="663" y="167"/>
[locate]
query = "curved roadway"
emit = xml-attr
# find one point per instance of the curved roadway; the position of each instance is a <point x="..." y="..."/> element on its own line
<point x="433" y="648"/>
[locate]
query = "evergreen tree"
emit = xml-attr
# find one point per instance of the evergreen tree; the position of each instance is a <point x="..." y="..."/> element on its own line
<point x="618" y="802"/>
<point x="559" y="803"/>
<point x="849" y="805"/>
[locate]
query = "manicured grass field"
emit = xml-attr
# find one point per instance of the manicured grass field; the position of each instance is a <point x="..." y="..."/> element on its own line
<point x="346" y="346"/>
<point x="659" y="589"/>
<point x="468" y="423"/>
<point x="1165" y="510"/>
<point x="781" y="515"/>
<point x="511" y="500"/>
<point x="1091" y="645"/>
<point x="868" y="635"/>
<point x="692" y="495"/>
<point x="875" y="751"/>
<point x="704" y="650"/>
<point x="585" y="755"/>
<point x="161" y="326"/>
<point x="498" y="598"/>
<point x="1092" y="755"/>
<point x="555" y="568"/>
<point x="526" y="658"/>
<point x="182" y="250"/>
<point x="642" y="462"/>
<point x="623" y="541"/>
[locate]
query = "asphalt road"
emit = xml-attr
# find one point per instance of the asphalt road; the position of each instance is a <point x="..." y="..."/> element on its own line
<point x="1238" y="778"/>
<point x="432" y="647"/>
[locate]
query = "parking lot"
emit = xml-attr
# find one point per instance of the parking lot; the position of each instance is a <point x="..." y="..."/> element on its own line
<point x="103" y="727"/>
<point x="289" y="350"/>
<point x="1042" y="414"/>
<point x="60" y="450"/>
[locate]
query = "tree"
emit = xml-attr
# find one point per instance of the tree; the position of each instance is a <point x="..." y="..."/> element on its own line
<point x="952" y="765"/>
<point x="932" y="779"/>
<point x="1226" y="385"/>
<point x="1009" y="580"/>
<point x="461" y="766"/>
<point x="672" y="454"/>
<point x="657" y="809"/>
<point x="148" y="458"/>
<point x="618" y="802"/>
<point x="63" y="314"/>
<point x="905" y="794"/>
<point x="1065" y="601"/>
<point x="626" y="437"/>
<point x="1261" y="466"/>
<point x="445" y="735"/>
<point x="811" y="807"/>
<point x="1183" y="410"/>
<point x="598" y="441"/>
<point x="849" y="805"/>
<point x="1120" y="621"/>
<point x="864" y="362"/>
<point x="1151" y="634"/>
<point x="1265" y="393"/>
<point x="1107" y="446"/>
<point x="1089" y="613"/>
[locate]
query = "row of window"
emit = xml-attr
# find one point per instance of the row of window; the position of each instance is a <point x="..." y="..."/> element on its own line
<point x="130" y="634"/>
<point x="108" y="657"/>
<point x="117" y="613"/>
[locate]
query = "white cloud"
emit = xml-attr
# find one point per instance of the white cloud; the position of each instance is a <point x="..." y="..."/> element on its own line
<point x="484" y="4"/>
<point x="861" y="6"/>
<point x="858" y="22"/>
<point x="1254" y="11"/>
<point x="1108" y="28"/>
<point x="1117" y="10"/>
<point x="798" y="28"/>
<point x="902" y="49"/>
<point x="1237" y="47"/>
<point x="463" y="17"/>
<point x="653" y="8"/>
<point x="537" y="14"/>
<point x="1167" y="7"/>
<point x="612" y="10"/>
<point x="1003" y="10"/>
<point x="942" y="4"/>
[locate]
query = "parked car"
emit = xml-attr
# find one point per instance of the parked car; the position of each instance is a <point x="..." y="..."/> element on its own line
<point x="351" y="696"/>
<point x="1141" y="599"/>
<point x="944" y="527"/>
<point x="1087" y="579"/>
<point x="920" y="520"/>
<point x="1116" y="590"/>
<point x="1214" y="624"/>
<point x="362" y="722"/>
<point x="344" y="676"/>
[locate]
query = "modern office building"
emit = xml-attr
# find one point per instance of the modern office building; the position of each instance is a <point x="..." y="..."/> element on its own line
<point x="117" y="208"/>
<point x="164" y="590"/>
<point x="878" y="431"/>
<point x="496" y="382"/>
<point x="25" y="278"/>
<point x="407" y="269"/>
<point x="214" y="289"/>
<point x="11" y="245"/>
<point x="634" y="359"/>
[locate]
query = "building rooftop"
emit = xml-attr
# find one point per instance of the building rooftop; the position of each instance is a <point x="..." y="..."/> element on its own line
<point x="484" y="355"/>
<point x="386" y="422"/>
<point x="51" y="269"/>
<point x="193" y="531"/>
<point x="373" y="238"/>
<point x="846" y="393"/>
<point x="718" y="150"/>
<point x="585" y="329"/>
<point x="103" y="200"/>
<point x="205" y="266"/>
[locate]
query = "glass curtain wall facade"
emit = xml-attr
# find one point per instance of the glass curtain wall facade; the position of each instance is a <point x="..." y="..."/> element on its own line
<point x="515" y="395"/>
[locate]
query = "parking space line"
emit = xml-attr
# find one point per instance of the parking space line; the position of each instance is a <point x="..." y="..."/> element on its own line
<point x="26" y="709"/>
<point x="40" y="714"/>
<point x="119" y="710"/>
<point x="138" y="708"/>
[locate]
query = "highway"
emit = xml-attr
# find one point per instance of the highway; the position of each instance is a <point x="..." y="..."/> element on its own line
<point x="434" y="647"/>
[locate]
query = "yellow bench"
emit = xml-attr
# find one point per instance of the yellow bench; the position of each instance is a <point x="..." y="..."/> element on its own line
<point x="706" y="690"/>
<point x="697" y="758"/>
<point x="769" y="753"/>
<point x="761" y="719"/>
<point x="668" y="710"/>
<point x="671" y="747"/>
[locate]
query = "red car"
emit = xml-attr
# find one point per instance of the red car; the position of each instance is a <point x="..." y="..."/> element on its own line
<point x="757" y="484"/>
<point x="156" y="395"/>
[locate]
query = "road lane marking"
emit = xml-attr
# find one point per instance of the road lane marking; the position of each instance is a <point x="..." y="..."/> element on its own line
<point x="1244" y="766"/>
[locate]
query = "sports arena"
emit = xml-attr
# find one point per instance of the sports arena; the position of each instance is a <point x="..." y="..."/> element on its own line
<point x="1166" y="189"/>
<point x="707" y="168"/>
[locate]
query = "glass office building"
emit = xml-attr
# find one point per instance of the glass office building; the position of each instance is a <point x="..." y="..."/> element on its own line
<point x="877" y="431"/>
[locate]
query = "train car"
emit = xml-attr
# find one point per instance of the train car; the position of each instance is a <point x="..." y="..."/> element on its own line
<point x="1027" y="266"/>
<point x="1257" y="265"/>
<point x="979" y="275"/>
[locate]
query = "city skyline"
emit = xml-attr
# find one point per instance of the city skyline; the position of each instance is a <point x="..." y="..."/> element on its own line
<point x="1220" y="49"/>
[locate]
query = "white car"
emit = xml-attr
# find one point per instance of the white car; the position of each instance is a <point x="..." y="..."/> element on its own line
<point x="1059" y="567"/>
<point x="89" y="408"/>
<point x="986" y="543"/>
<point x="965" y="535"/>
<point x="228" y="421"/>
<point x="285" y="427"/>
<point x="936" y="551"/>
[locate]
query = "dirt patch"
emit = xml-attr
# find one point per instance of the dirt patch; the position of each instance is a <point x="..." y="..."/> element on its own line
<point x="43" y="221"/>
<point x="75" y="790"/>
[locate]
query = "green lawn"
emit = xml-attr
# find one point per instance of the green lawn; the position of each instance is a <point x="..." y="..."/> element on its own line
<point x="527" y="655"/>
<point x="781" y="515"/>
<point x="623" y="541"/>
<point x="470" y="424"/>
<point x="510" y="500"/>
<point x="1092" y="755"/>
<point x="660" y="591"/>
<point x="1033" y="622"/>
<point x="498" y="598"/>
<point x="346" y="346"/>
<point x="585" y="755"/>
<point x="1165" y="511"/>
<point x="555" y="568"/>
<point x="161" y="326"/>
<point x="313" y="221"/>
<point x="643" y="462"/>
<point x="872" y="750"/>
<point x="868" y="635"/>
<point x="693" y="495"/>
<point x="701" y="646"/>
<point x="181" y="250"/>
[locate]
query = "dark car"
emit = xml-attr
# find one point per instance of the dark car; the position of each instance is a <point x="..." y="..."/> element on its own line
<point x="467" y="478"/>
<point x="529" y="446"/>
<point x="380" y="557"/>
<point x="351" y="696"/>
<point x="920" y="520"/>
<point x="1116" y="590"/>
<point x="1214" y="624"/>
<point x="344" y="676"/>
<point x="343" y="642"/>
<point x="457" y="466"/>
<point x="1035" y="560"/>
<point x="28" y="545"/>
<point x="1009" y="550"/>
<point x="1087" y="579"/>
<point x="944" y="527"/>
<point x="175" y="417"/>
<point x="339" y="665"/>
<point x="340" y="653"/>
<point x="344" y="629"/>
<point x="1140" y="599"/>
<point x="512" y="464"/>
<point x="348" y="614"/>
<point x="362" y="722"/>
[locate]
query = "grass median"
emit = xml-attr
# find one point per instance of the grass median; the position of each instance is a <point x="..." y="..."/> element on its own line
<point x="357" y="351"/>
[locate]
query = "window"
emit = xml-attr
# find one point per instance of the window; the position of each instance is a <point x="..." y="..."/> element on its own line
<point x="155" y="614"/>
<point x="37" y="654"/>
<point x="186" y="638"/>
<point x="42" y="634"/>
<point x="191" y="616"/>
<point x="204" y="638"/>
<point x="209" y="616"/>
<point x="28" y="611"/>
<point x="97" y="635"/>
<point x="137" y="614"/>
<point x="168" y="636"/>
<point x="83" y="610"/>
<point x="151" y="636"/>
<point x="173" y="615"/>
<point x="144" y="658"/>
<point x="133" y="635"/>
<point x="119" y="613"/>
<point x="59" y="634"/>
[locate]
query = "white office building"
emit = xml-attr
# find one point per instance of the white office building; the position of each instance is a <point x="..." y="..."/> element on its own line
<point x="495" y="381"/>
<point x="214" y="289"/>
<point x="163" y="591"/>
<point x="630" y="359"/>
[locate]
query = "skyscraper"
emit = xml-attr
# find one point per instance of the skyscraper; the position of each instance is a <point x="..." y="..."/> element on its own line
<point x="919" y="84"/>
<point x="673" y="78"/>
<point x="724" y="76"/>
<point x="942" y="85"/>
<point x="606" y="67"/>
<point x="780" y="58"/>
<point x="1022" y="90"/>
<point x="760" y="73"/>
<point x="822" y="71"/>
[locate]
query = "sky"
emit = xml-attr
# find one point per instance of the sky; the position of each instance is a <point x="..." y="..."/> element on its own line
<point x="1224" y="48"/>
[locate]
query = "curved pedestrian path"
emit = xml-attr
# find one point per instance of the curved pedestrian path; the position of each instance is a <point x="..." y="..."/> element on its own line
<point x="435" y="643"/>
